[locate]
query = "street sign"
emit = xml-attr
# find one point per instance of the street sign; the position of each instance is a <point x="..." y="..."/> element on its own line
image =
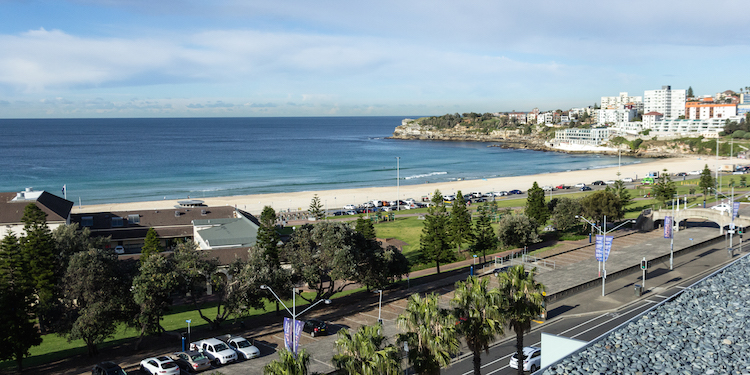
<point x="731" y="231"/>
<point x="667" y="227"/>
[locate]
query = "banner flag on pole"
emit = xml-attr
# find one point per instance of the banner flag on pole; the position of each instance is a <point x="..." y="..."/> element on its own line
<point x="288" y="334"/>
<point x="599" y="248"/>
<point x="607" y="246"/>
<point x="667" y="227"/>
<point x="736" y="209"/>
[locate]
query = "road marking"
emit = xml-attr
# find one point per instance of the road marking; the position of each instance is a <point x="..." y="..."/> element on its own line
<point x="650" y="301"/>
<point x="537" y="321"/>
<point x="660" y="296"/>
<point x="603" y="323"/>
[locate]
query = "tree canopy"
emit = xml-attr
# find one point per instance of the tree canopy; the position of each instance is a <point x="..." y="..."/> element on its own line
<point x="433" y="243"/>
<point x="536" y="206"/>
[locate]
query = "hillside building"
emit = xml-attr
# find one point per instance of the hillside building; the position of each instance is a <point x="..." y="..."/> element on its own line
<point x="622" y="101"/>
<point x="706" y="108"/>
<point x="670" y="103"/>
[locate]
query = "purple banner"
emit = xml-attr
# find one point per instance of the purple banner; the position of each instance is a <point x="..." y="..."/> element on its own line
<point x="599" y="248"/>
<point x="667" y="227"/>
<point x="736" y="209"/>
<point x="607" y="246"/>
<point x="288" y="334"/>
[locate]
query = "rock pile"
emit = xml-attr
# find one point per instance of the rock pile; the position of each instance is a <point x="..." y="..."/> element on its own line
<point x="704" y="330"/>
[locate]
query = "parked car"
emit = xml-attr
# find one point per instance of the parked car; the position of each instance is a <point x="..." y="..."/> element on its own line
<point x="192" y="360"/>
<point x="579" y="185"/>
<point x="547" y="188"/>
<point x="351" y="212"/>
<point x="240" y="345"/>
<point x="627" y="179"/>
<point x="217" y="351"/>
<point x="315" y="327"/>
<point x="694" y="173"/>
<point x="681" y="174"/>
<point x="532" y="359"/>
<point x="500" y="193"/>
<point x="609" y="182"/>
<point x="119" y="249"/>
<point x="515" y="191"/>
<point x="597" y="182"/>
<point x="585" y="188"/>
<point x="160" y="365"/>
<point x="562" y="186"/>
<point x="107" y="368"/>
<point x="350" y="207"/>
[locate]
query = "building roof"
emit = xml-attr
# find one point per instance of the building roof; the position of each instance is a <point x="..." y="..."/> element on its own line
<point x="225" y="255"/>
<point x="170" y="223"/>
<point x="653" y="113"/>
<point x="13" y="204"/>
<point x="234" y="232"/>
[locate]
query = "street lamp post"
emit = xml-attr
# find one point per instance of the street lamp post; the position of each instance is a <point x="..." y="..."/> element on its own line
<point x="293" y="313"/>
<point x="188" y="322"/>
<point x="380" y="304"/>
<point x="603" y="231"/>
<point x="398" y="184"/>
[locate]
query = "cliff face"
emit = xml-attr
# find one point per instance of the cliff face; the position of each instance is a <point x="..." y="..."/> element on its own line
<point x="512" y="138"/>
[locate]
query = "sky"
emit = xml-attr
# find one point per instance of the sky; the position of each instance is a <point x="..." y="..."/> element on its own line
<point x="197" y="58"/>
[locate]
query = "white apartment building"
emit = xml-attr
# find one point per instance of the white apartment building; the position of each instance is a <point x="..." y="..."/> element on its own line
<point x="622" y="100"/>
<point x="615" y="116"/>
<point x="670" y="103"/>
<point x="744" y="106"/>
<point x="649" y="119"/>
<point x="579" y="136"/>
<point x="544" y="118"/>
<point x="708" y="128"/>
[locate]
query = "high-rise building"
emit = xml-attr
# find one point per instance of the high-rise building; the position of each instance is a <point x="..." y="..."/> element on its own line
<point x="670" y="103"/>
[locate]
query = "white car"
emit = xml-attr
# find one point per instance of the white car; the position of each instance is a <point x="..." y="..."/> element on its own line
<point x="217" y="351"/>
<point x="579" y="185"/>
<point x="160" y="365"/>
<point x="723" y="207"/>
<point x="547" y="188"/>
<point x="627" y="179"/>
<point x="350" y="207"/>
<point x="694" y="173"/>
<point x="243" y="347"/>
<point x="609" y="182"/>
<point x="532" y="359"/>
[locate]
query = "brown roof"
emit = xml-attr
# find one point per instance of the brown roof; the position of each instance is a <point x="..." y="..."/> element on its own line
<point x="170" y="223"/>
<point x="653" y="114"/>
<point x="56" y="208"/>
<point x="225" y="256"/>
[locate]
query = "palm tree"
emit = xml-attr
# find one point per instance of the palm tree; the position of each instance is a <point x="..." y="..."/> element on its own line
<point x="288" y="364"/>
<point x="523" y="300"/>
<point x="430" y="334"/>
<point x="366" y="353"/>
<point x="478" y="313"/>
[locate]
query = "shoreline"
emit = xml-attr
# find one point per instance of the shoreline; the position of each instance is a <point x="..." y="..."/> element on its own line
<point x="335" y="199"/>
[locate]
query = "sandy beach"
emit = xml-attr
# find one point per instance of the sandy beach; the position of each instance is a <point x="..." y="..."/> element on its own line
<point x="333" y="199"/>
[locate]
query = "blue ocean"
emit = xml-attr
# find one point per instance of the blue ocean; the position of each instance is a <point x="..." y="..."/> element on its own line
<point x="137" y="159"/>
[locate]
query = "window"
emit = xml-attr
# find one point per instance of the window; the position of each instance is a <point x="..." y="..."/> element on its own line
<point x="116" y="222"/>
<point x="87" y="221"/>
<point x="134" y="219"/>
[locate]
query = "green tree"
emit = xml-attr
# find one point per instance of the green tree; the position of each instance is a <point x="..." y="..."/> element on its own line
<point x="621" y="192"/>
<point x="152" y="290"/>
<point x="151" y="245"/>
<point x="96" y="290"/>
<point x="459" y="222"/>
<point x="335" y="251"/>
<point x="365" y="227"/>
<point x="366" y="353"/>
<point x="484" y="236"/>
<point x="536" y="206"/>
<point x="268" y="237"/>
<point x="316" y="208"/>
<point x="433" y="243"/>
<point x="71" y="239"/>
<point x="523" y="301"/>
<point x="517" y="230"/>
<point x="600" y="204"/>
<point x="39" y="248"/>
<point x="564" y="215"/>
<point x="288" y="364"/>
<point x="706" y="182"/>
<point x="664" y="189"/>
<point x="430" y="333"/>
<point x="690" y="92"/>
<point x="17" y="327"/>
<point x="478" y="314"/>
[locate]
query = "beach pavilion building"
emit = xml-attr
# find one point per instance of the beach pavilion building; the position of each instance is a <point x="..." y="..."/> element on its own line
<point x="12" y="206"/>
